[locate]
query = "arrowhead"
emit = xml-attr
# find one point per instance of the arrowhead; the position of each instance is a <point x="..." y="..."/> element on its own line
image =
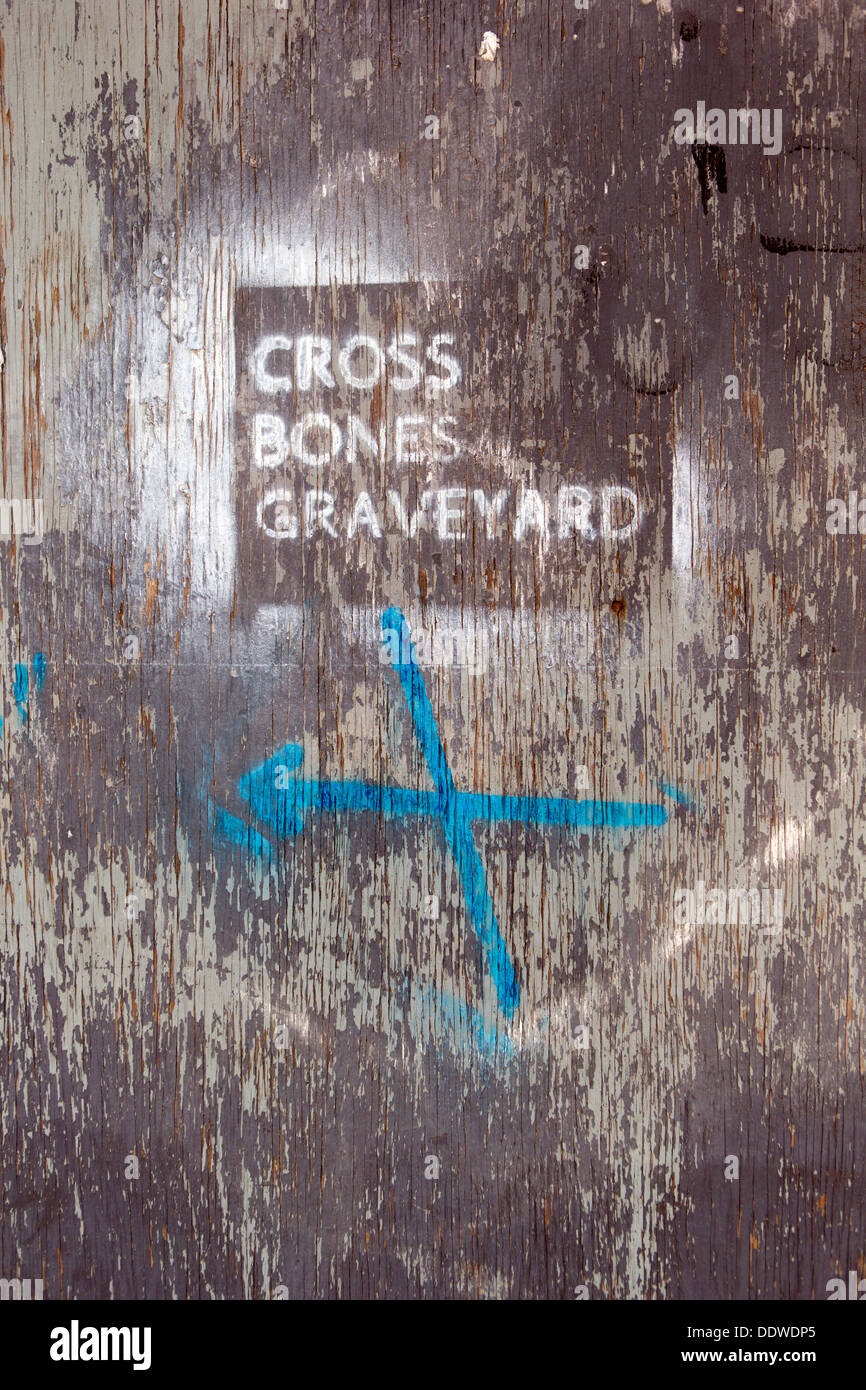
<point x="272" y="794"/>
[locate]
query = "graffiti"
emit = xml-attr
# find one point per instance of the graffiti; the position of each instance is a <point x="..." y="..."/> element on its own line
<point x="310" y="313"/>
<point x="451" y="513"/>
<point x="368" y="439"/>
<point x="280" y="800"/>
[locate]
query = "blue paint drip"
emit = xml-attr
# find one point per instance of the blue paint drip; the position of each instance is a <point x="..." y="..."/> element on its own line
<point x="439" y="1015"/>
<point x="20" y="690"/>
<point x="40" y="666"/>
<point x="681" y="798"/>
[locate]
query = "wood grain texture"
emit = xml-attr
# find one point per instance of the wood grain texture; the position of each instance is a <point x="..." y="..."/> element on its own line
<point x="283" y="1032"/>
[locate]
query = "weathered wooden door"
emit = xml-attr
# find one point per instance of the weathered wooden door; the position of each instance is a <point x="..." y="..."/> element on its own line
<point x="432" y="649"/>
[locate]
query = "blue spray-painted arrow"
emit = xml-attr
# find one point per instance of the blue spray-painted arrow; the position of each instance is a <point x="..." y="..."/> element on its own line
<point x="281" y="803"/>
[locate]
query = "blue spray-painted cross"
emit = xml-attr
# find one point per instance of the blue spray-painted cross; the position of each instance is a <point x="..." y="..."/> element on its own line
<point x="280" y="803"/>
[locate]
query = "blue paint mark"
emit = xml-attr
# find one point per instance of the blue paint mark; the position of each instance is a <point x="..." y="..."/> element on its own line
<point x="681" y="798"/>
<point x="443" y="1015"/>
<point x="271" y="803"/>
<point x="283" y="808"/>
<point x="232" y="829"/>
<point x="455" y="825"/>
<point x="20" y="690"/>
<point x="21" y="687"/>
<point x="40" y="666"/>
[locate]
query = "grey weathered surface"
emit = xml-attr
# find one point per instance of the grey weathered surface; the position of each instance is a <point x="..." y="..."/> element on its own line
<point x="148" y="966"/>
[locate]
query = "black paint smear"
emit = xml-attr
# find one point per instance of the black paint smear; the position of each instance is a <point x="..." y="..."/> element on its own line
<point x="710" y="160"/>
<point x="781" y="246"/>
